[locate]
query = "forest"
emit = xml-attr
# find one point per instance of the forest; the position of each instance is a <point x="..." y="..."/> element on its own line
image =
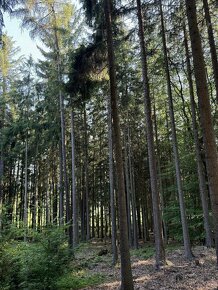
<point x="108" y="146"/>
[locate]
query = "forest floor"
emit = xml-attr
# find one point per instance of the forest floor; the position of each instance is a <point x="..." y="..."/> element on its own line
<point x="198" y="274"/>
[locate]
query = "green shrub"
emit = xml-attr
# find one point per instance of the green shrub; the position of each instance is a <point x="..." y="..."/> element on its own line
<point x="35" y="265"/>
<point x="78" y="280"/>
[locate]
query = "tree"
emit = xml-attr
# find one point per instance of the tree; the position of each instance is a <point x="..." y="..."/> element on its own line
<point x="201" y="177"/>
<point x="160" y="254"/>
<point x="186" y="238"/>
<point x="205" y="112"/>
<point x="126" y="273"/>
<point x="212" y="44"/>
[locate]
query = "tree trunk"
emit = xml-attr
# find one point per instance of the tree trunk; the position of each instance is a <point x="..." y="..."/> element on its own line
<point x="61" y="192"/>
<point x="25" y="216"/>
<point x="74" y="195"/>
<point x="132" y="192"/>
<point x="186" y="238"/>
<point x="212" y="45"/>
<point x="205" y="112"/>
<point x="201" y="177"/>
<point x="159" y="245"/>
<point x="126" y="272"/>
<point x="111" y="180"/>
<point x="127" y="190"/>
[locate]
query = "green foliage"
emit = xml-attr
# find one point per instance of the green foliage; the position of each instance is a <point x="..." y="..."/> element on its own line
<point x="79" y="280"/>
<point x="144" y="252"/>
<point x="195" y="222"/>
<point x="35" y="265"/>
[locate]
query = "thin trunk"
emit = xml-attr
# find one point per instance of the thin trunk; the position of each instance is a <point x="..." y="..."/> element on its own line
<point x="86" y="177"/>
<point x="61" y="194"/>
<point x="159" y="245"/>
<point x="127" y="191"/>
<point x="62" y="123"/>
<point x="25" y="216"/>
<point x="205" y="112"/>
<point x="159" y="174"/>
<point x="74" y="195"/>
<point x="201" y="177"/>
<point x="126" y="272"/>
<point x="111" y="179"/>
<point x="186" y="238"/>
<point x="132" y="192"/>
<point x="212" y="45"/>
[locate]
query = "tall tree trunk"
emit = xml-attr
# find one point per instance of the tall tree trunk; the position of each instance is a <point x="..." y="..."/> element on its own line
<point x="74" y="195"/>
<point x="25" y="216"/>
<point x="62" y="123"/>
<point x="205" y="112"/>
<point x="159" y="174"/>
<point x="212" y="45"/>
<point x="132" y="192"/>
<point x="159" y="245"/>
<point x="111" y="180"/>
<point x="86" y="176"/>
<point x="127" y="189"/>
<point x="126" y="271"/>
<point x="61" y="192"/>
<point x="186" y="238"/>
<point x="201" y="177"/>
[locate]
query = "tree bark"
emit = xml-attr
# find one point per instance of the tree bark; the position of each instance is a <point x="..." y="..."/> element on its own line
<point x="126" y="271"/>
<point x="201" y="177"/>
<point x="212" y="45"/>
<point x="86" y="177"/>
<point x="186" y="238"/>
<point x="111" y="179"/>
<point x="159" y="245"/>
<point x="205" y="112"/>
<point x="74" y="195"/>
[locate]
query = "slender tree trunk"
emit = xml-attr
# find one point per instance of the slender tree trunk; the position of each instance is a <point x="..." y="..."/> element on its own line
<point x="205" y="112"/>
<point x="126" y="272"/>
<point x="159" y="245"/>
<point x="61" y="193"/>
<point x="62" y="123"/>
<point x="186" y="238"/>
<point x="74" y="195"/>
<point x="201" y="177"/>
<point x="111" y="179"/>
<point x="25" y="216"/>
<point x="132" y="192"/>
<point x="212" y="45"/>
<point x="127" y="191"/>
<point x="86" y="177"/>
<point x="1" y="188"/>
<point x="159" y="174"/>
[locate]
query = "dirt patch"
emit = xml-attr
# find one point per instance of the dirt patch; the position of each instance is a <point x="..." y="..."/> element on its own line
<point x="198" y="274"/>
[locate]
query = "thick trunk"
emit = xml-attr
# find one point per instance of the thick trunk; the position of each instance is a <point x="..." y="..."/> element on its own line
<point x="205" y="112"/>
<point x="212" y="45"/>
<point x="126" y="272"/>
<point x="159" y="245"/>
<point x="201" y="177"/>
<point x="186" y="238"/>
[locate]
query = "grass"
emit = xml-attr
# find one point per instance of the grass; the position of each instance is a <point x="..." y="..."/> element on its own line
<point x="143" y="252"/>
<point x="79" y="280"/>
